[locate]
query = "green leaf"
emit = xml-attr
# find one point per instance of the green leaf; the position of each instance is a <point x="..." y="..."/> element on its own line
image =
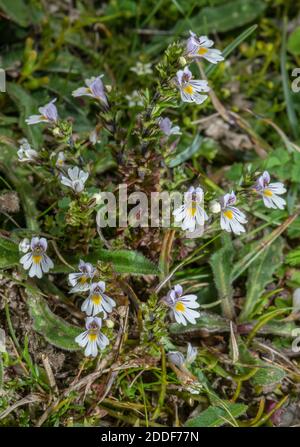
<point x="260" y="274"/>
<point x="279" y="328"/>
<point x="17" y="11"/>
<point x="293" y="43"/>
<point x="26" y="106"/>
<point x="270" y="375"/>
<point x="123" y="261"/>
<point x="226" y="17"/>
<point x="186" y="154"/>
<point x="207" y="322"/>
<point x="9" y="253"/>
<point x="54" y="329"/>
<point x="290" y="105"/>
<point x="221" y="264"/>
<point x="213" y="323"/>
<point x="293" y="257"/>
<point x="215" y="416"/>
<point x="27" y="194"/>
<point x="266" y="374"/>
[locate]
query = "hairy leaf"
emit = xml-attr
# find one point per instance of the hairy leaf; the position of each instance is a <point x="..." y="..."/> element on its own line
<point x="221" y="264"/>
<point x="123" y="261"/>
<point x="54" y="329"/>
<point x="208" y="322"/>
<point x="269" y="375"/>
<point x="216" y="416"/>
<point x="9" y="253"/>
<point x="260" y="275"/>
<point x="186" y="154"/>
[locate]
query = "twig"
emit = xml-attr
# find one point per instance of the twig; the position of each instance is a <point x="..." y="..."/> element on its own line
<point x="26" y="400"/>
<point x="49" y="373"/>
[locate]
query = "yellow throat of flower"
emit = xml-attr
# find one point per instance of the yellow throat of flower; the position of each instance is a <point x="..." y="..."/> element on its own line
<point x="228" y="214"/>
<point x="202" y="51"/>
<point x="92" y="337"/>
<point x="96" y="299"/>
<point x="36" y="259"/>
<point x="83" y="279"/>
<point x="180" y="307"/>
<point x="188" y="89"/>
<point x="192" y="210"/>
<point x="268" y="193"/>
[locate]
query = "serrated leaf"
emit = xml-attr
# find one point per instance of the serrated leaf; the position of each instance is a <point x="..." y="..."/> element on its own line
<point x="260" y="274"/>
<point x="216" y="416"/>
<point x="54" y="329"/>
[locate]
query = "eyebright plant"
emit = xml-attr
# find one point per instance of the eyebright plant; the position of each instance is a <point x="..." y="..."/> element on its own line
<point x="68" y="165"/>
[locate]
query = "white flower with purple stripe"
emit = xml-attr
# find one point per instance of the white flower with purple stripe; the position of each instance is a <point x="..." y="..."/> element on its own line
<point x="81" y="280"/>
<point x="24" y="245"/>
<point x="167" y="128"/>
<point x="189" y="88"/>
<point x="231" y="217"/>
<point x="98" y="301"/>
<point x="94" y="88"/>
<point x="178" y="359"/>
<point x="76" y="179"/>
<point x="200" y="47"/>
<point x="37" y="261"/>
<point x="191" y="214"/>
<point x="270" y="191"/>
<point x="92" y="339"/>
<point x="48" y="114"/>
<point x="25" y="152"/>
<point x="182" y="305"/>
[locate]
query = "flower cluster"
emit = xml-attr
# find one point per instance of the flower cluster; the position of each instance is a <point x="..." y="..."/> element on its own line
<point x="97" y="302"/>
<point x="196" y="48"/>
<point x="192" y="216"/>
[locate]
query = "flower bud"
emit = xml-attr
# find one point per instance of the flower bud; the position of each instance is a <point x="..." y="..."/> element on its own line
<point x="176" y="358"/>
<point x="109" y="324"/>
<point x="215" y="206"/>
<point x="182" y="61"/>
<point x="24" y="245"/>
